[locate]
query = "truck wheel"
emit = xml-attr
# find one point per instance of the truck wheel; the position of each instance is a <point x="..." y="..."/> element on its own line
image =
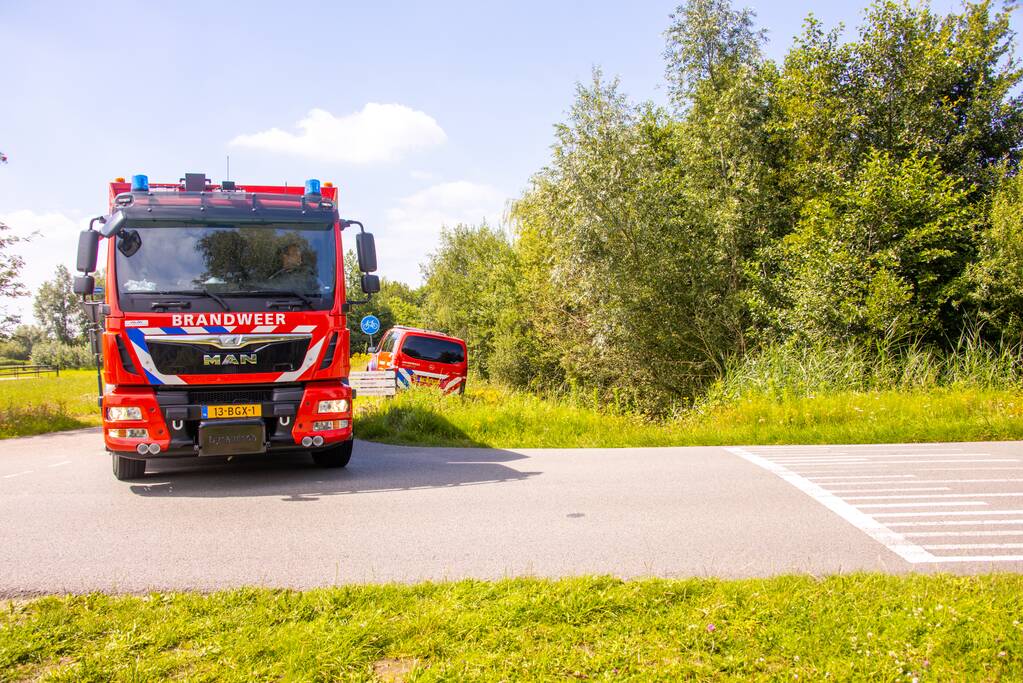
<point x="127" y="468"/>
<point x="335" y="456"/>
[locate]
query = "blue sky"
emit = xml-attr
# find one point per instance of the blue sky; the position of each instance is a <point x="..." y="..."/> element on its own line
<point x="423" y="113"/>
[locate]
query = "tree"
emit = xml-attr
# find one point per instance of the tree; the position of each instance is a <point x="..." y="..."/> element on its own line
<point x="997" y="275"/>
<point x="58" y="309"/>
<point x="470" y="288"/>
<point x="881" y="259"/>
<point x="706" y="42"/>
<point x="10" y="271"/>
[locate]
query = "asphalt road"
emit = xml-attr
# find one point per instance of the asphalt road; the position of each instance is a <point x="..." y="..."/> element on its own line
<point x="410" y="514"/>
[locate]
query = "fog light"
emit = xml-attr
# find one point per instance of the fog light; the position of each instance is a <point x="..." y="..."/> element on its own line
<point x="323" y="426"/>
<point x="307" y="441"/>
<point x="154" y="448"/>
<point x="142" y="448"/>
<point x="337" y="405"/>
<point x="120" y="413"/>
<point x="317" y="440"/>
<point x="128" y="433"/>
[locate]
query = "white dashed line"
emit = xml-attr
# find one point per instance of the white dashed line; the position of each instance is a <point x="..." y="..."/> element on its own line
<point x="949" y="512"/>
<point x="956" y="503"/>
<point x="17" y="474"/>
<point x="915" y="488"/>
<point x="976" y="546"/>
<point x="940" y="534"/>
<point x="936" y="495"/>
<point x="58" y="464"/>
<point x="959" y="522"/>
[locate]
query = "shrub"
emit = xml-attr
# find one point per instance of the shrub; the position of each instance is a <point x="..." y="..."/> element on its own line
<point x="62" y="355"/>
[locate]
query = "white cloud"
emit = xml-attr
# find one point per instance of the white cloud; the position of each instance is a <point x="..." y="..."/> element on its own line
<point x="378" y="133"/>
<point x="411" y="230"/>
<point x="55" y="243"/>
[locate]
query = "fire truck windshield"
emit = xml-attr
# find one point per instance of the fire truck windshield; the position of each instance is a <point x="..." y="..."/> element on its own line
<point x="215" y="262"/>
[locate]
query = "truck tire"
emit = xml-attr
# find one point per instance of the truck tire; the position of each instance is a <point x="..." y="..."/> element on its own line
<point x="127" y="468"/>
<point x="335" y="456"/>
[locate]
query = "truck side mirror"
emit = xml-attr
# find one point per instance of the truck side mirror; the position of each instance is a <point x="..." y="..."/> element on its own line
<point x="88" y="244"/>
<point x="84" y="285"/>
<point x="370" y="283"/>
<point x="367" y="251"/>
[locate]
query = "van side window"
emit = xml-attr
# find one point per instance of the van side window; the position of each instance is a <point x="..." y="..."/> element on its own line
<point x="432" y="350"/>
<point x="388" y="344"/>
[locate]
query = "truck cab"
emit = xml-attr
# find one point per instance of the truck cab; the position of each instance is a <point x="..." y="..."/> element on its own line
<point x="222" y="327"/>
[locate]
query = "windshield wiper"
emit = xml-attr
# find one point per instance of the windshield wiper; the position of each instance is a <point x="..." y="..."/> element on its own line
<point x="273" y="292"/>
<point x="191" y="292"/>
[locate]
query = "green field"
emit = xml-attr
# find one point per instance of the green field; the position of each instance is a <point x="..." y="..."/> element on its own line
<point x="48" y="404"/>
<point x="859" y="627"/>
<point x="501" y="418"/>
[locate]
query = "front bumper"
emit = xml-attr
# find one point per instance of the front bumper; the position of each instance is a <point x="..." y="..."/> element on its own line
<point x="173" y="419"/>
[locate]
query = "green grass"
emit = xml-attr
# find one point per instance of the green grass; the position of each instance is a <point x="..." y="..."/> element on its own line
<point x="861" y="627"/>
<point x="47" y="404"/>
<point x="501" y="418"/>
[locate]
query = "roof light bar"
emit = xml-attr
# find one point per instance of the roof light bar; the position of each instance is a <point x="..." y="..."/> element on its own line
<point x="140" y="183"/>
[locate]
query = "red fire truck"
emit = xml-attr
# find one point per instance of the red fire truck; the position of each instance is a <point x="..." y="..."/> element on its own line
<point x="221" y="330"/>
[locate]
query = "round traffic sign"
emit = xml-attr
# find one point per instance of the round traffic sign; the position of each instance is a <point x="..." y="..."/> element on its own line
<point x="370" y="325"/>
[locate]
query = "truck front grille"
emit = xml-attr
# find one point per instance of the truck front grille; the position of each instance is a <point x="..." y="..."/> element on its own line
<point x="222" y="396"/>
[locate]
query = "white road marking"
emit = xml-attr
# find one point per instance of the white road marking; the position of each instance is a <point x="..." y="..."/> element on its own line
<point x="949" y="512"/>
<point x="925" y="481"/>
<point x="914" y="462"/>
<point x="58" y="464"/>
<point x="978" y="558"/>
<point x="872" y="476"/>
<point x="872" y="456"/>
<point x="950" y="503"/>
<point x="978" y="546"/>
<point x="936" y="495"/>
<point x="959" y="522"/>
<point x="890" y="539"/>
<point x="18" y="474"/>
<point x="939" y="534"/>
<point x="969" y="469"/>
<point x="876" y="483"/>
<point x="915" y="488"/>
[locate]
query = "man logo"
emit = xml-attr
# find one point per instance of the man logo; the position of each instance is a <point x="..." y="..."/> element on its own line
<point x="228" y="359"/>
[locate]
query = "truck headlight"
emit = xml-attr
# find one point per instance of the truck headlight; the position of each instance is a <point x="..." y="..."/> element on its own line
<point x="337" y="405"/>
<point x="121" y="413"/>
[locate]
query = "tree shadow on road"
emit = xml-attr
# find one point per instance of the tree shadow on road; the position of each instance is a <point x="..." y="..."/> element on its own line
<point x="374" y="468"/>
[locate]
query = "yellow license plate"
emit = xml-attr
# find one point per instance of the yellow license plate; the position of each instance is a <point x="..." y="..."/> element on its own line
<point x="427" y="381"/>
<point x="233" y="410"/>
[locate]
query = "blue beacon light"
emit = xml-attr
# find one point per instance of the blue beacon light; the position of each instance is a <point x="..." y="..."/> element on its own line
<point x="312" y="186"/>
<point x="140" y="183"/>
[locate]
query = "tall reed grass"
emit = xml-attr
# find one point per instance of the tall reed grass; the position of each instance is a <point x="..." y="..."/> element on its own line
<point x="793" y="370"/>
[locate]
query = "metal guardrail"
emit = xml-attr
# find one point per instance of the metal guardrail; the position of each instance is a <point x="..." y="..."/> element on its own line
<point x="28" y="370"/>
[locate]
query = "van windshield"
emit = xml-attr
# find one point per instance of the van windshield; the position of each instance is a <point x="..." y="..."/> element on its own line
<point x="433" y="350"/>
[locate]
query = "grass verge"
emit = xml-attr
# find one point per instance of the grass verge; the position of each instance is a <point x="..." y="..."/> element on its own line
<point x="856" y="627"/>
<point x="48" y="404"/>
<point x="501" y="418"/>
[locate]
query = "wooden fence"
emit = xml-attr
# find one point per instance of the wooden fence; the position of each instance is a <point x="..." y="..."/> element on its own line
<point x="16" y="371"/>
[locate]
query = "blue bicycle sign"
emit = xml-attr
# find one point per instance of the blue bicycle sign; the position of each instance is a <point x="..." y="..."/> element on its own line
<point x="370" y="325"/>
